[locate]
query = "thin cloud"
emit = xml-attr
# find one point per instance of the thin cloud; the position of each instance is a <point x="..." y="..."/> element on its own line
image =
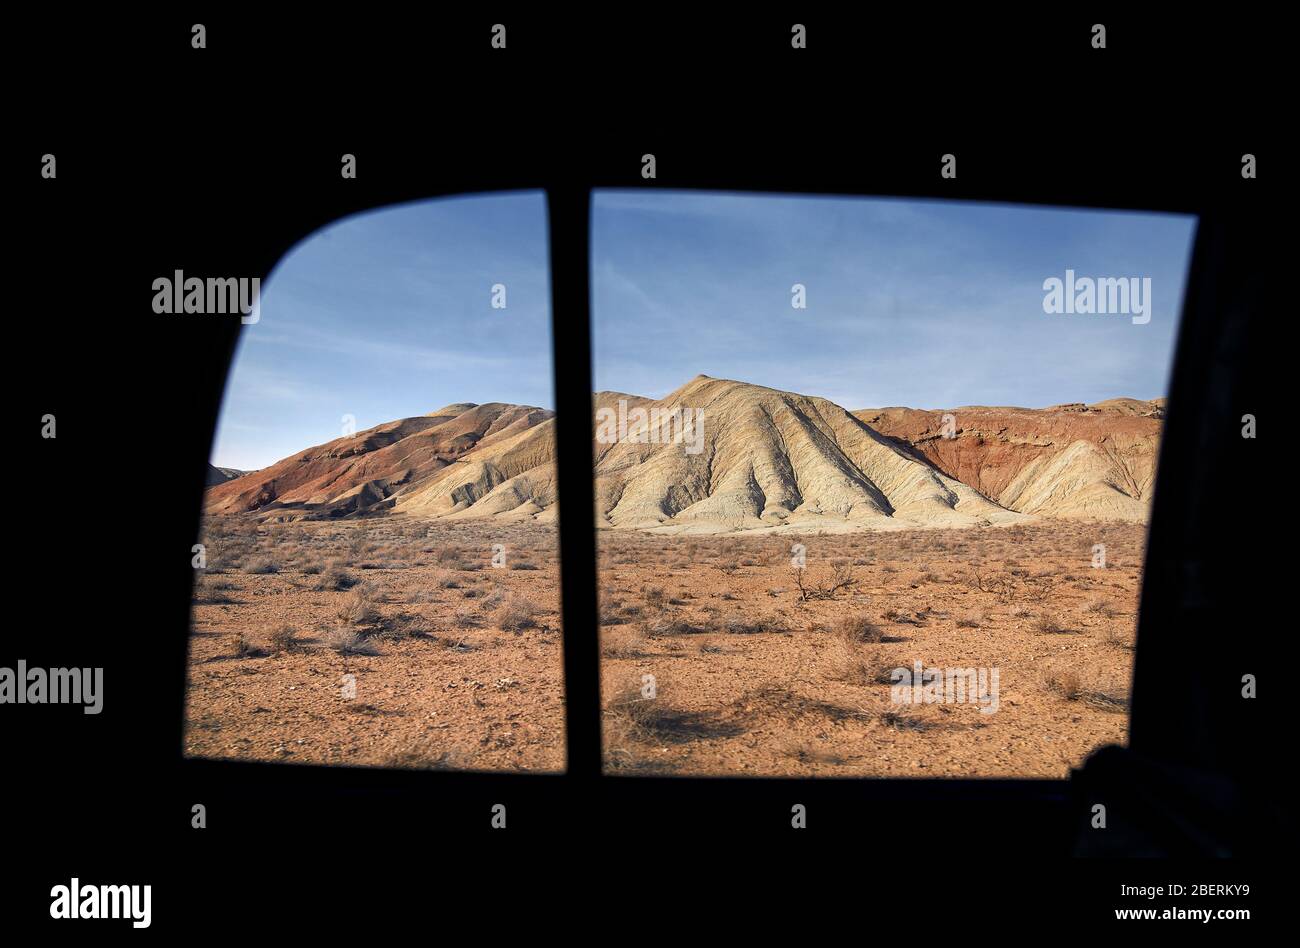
<point x="388" y="315"/>
<point x="908" y="303"/>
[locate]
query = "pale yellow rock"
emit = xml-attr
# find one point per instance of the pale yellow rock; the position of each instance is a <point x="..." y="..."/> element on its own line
<point x="760" y="460"/>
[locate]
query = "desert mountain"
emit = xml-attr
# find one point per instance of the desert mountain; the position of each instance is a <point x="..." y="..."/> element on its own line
<point x="219" y="475"/>
<point x="772" y="459"/>
<point x="1072" y="461"/>
<point x="717" y="456"/>
<point x="438" y="464"/>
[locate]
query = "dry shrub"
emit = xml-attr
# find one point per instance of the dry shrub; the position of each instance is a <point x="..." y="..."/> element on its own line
<point x="335" y="578"/>
<point x="243" y="645"/>
<point x="466" y="615"/>
<point x="212" y="590"/>
<point x="662" y="626"/>
<point x="1101" y="607"/>
<point x="901" y="720"/>
<point x="807" y="753"/>
<point x="1066" y="682"/>
<point x="1121" y="640"/>
<point x="515" y="614"/>
<point x="632" y="718"/>
<point x="856" y="629"/>
<point x="616" y="645"/>
<point x="359" y="607"/>
<point x="855" y="665"/>
<point x="284" y="639"/>
<point x="735" y="626"/>
<point x="1087" y="686"/>
<point x="426" y="756"/>
<point x="841" y="578"/>
<point x="349" y="642"/>
<point x="1049" y="625"/>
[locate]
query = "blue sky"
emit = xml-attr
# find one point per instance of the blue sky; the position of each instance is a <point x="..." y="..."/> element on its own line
<point x="923" y="304"/>
<point x="388" y="314"/>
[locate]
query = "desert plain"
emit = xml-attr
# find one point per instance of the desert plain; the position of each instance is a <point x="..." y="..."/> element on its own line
<point x="458" y="663"/>
<point x="391" y="598"/>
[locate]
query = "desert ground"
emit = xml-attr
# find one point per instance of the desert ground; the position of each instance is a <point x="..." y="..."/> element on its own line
<point x="751" y="677"/>
<point x="355" y="609"/>
<point x="455" y="663"/>
<point x="758" y="668"/>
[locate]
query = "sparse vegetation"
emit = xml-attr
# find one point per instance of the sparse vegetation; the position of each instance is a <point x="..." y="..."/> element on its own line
<point x="765" y="676"/>
<point x="859" y="666"/>
<point x="244" y="646"/>
<point x="1100" y="607"/>
<point x="283" y="638"/>
<point x="335" y="577"/>
<point x="840" y="579"/>
<point x="1073" y="684"/>
<point x="1050" y="625"/>
<point x="633" y="718"/>
<point x="359" y="608"/>
<point x="515" y="614"/>
<point x="903" y="721"/>
<point x="349" y="642"/>
<point x="856" y="629"/>
<point x="213" y="590"/>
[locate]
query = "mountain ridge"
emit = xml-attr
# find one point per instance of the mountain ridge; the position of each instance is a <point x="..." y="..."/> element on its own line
<point x="761" y="459"/>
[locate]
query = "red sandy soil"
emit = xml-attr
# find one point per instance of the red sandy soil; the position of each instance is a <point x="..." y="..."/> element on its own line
<point x="750" y="678"/>
<point x="449" y="688"/>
